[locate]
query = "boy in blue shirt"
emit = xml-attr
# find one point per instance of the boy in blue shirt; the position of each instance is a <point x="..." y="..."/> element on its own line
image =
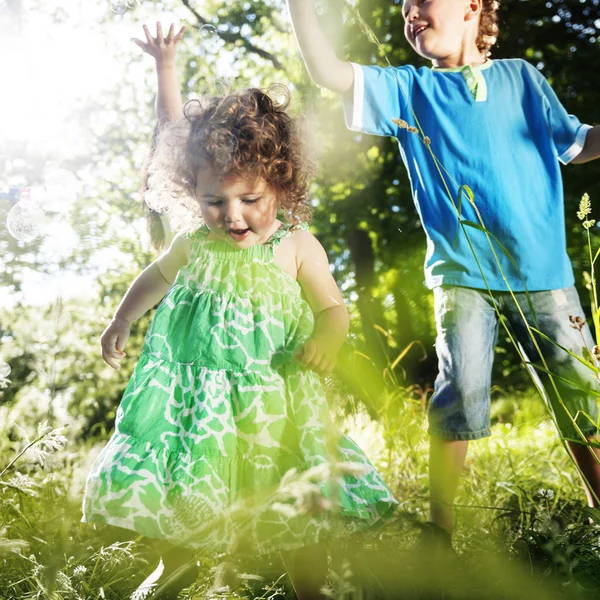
<point x="498" y="127"/>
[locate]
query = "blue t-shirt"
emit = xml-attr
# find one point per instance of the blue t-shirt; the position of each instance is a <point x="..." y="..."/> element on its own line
<point x="501" y="130"/>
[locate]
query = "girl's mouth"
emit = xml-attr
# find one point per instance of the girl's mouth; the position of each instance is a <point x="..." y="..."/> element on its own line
<point x="238" y="234"/>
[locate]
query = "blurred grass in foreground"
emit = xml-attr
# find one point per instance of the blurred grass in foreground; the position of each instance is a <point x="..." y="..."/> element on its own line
<point x="522" y="528"/>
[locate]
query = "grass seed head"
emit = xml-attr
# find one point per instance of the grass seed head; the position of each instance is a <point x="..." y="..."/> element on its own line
<point x="585" y="207"/>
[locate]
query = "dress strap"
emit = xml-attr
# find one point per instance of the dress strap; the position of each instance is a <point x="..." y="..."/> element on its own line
<point x="286" y="230"/>
<point x="197" y="238"/>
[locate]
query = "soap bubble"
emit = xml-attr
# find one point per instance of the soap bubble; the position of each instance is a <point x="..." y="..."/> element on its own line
<point x="4" y="370"/>
<point x="132" y="3"/>
<point x="25" y="220"/>
<point x="119" y="7"/>
<point x="209" y="40"/>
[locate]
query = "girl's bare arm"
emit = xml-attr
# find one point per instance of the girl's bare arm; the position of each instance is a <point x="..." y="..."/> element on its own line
<point x="322" y="293"/>
<point x="146" y="291"/>
<point x="169" y="105"/>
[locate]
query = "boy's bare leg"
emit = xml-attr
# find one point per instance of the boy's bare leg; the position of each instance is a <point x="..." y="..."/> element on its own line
<point x="307" y="568"/>
<point x="590" y="467"/>
<point x="446" y="462"/>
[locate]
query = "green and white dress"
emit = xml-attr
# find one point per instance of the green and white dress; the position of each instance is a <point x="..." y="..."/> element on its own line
<point x="217" y="411"/>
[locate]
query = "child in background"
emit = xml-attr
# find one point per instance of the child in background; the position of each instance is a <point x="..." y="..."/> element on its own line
<point x="226" y="398"/>
<point x="498" y="127"/>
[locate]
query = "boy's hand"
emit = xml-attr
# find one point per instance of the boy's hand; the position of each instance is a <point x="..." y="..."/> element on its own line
<point x="318" y="355"/>
<point x="113" y="342"/>
<point x="163" y="49"/>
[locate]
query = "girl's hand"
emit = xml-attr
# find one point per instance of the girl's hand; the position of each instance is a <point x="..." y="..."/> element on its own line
<point x="317" y="355"/>
<point x="113" y="342"/>
<point x="163" y="49"/>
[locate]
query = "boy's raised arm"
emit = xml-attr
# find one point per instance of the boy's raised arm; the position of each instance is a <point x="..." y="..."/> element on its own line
<point x="324" y="67"/>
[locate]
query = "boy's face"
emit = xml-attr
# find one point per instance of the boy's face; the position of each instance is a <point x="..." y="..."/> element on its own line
<point x="240" y="211"/>
<point x="439" y="29"/>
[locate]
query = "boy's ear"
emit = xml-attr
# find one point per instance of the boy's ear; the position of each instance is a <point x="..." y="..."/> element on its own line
<point x="473" y="10"/>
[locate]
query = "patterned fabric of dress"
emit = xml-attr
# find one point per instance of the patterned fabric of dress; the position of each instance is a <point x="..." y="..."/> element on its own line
<point x="217" y="411"/>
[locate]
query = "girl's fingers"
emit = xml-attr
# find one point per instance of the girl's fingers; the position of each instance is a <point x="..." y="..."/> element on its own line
<point x="159" y="33"/>
<point x="170" y="34"/>
<point x="325" y="365"/>
<point x="309" y="355"/>
<point x="121" y="341"/>
<point x="147" y="33"/>
<point x="109" y="360"/>
<point x="322" y="365"/>
<point x="139" y="43"/>
<point x="179" y="34"/>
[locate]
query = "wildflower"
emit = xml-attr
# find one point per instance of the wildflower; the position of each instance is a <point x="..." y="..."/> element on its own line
<point x="577" y="322"/>
<point x="589" y="223"/>
<point x="287" y="510"/>
<point x="49" y="440"/>
<point x="427" y="141"/>
<point x="79" y="572"/>
<point x="548" y="494"/>
<point x="412" y="129"/>
<point x="401" y="123"/>
<point x="588" y="280"/>
<point x="351" y="469"/>
<point x="585" y="208"/>
<point x="596" y="353"/>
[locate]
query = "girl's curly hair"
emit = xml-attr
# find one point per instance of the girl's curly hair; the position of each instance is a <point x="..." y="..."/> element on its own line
<point x="246" y="134"/>
<point x="488" y="26"/>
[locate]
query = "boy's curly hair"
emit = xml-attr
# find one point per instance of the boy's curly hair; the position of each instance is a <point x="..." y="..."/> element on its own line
<point x="247" y="134"/>
<point x="488" y="26"/>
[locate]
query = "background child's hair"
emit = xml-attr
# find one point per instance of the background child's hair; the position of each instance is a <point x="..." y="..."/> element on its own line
<point x="247" y="134"/>
<point x="488" y="26"/>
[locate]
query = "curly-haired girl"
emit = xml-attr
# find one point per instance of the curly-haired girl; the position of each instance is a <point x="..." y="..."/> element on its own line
<point x="225" y="398"/>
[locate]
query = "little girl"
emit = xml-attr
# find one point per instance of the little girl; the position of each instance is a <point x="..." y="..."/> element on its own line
<point x="225" y="398"/>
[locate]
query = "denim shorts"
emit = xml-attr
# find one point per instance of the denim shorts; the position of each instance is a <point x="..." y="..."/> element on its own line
<point x="467" y="331"/>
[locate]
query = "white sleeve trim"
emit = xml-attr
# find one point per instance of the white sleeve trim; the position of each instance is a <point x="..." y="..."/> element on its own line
<point x="354" y="119"/>
<point x="575" y="149"/>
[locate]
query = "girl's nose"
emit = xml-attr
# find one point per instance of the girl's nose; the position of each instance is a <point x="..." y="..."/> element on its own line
<point x="232" y="213"/>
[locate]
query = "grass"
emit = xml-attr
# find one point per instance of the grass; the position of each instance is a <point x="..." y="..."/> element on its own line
<point x="521" y="523"/>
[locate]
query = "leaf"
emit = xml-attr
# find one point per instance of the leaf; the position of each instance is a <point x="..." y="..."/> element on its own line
<point x="469" y="192"/>
<point x="12" y="546"/>
<point x="589" y="390"/>
<point x="582" y="360"/>
<point x="405" y="352"/>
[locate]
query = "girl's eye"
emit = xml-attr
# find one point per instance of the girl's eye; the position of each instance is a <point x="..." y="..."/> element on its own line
<point x="213" y="202"/>
<point x="250" y="200"/>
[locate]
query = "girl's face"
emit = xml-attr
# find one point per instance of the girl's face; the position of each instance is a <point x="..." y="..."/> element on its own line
<point x="240" y="211"/>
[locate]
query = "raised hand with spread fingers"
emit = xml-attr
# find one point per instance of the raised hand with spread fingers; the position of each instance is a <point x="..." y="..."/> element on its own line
<point x="163" y="49"/>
